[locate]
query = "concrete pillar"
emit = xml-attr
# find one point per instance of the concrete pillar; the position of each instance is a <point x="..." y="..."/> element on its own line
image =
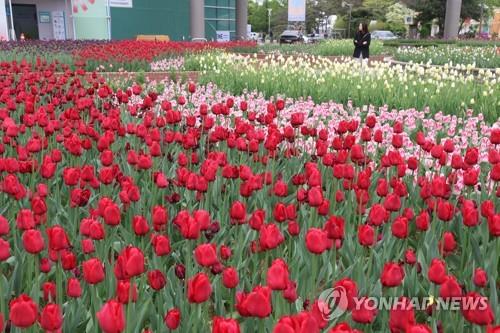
<point x="197" y="25"/>
<point x="241" y="19"/>
<point x="452" y="19"/>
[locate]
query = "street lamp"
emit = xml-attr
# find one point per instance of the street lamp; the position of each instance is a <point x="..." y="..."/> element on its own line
<point x="322" y="20"/>
<point x="269" y="11"/>
<point x="481" y="19"/>
<point x="346" y="4"/>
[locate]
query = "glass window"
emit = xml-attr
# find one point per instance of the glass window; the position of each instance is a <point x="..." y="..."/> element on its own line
<point x="223" y="25"/>
<point x="223" y="3"/>
<point x="210" y="13"/>
<point x="210" y="25"/>
<point x="222" y="13"/>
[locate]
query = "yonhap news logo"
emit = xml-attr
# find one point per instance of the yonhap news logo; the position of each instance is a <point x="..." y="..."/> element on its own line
<point x="334" y="302"/>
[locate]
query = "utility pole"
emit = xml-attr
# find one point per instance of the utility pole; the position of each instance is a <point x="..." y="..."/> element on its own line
<point x="345" y="4"/>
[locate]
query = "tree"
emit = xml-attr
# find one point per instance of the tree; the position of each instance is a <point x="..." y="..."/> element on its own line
<point x="397" y="12"/>
<point x="317" y="10"/>
<point x="360" y="15"/>
<point x="378" y="7"/>
<point x="395" y="17"/>
<point x="436" y="9"/>
<point x="258" y="16"/>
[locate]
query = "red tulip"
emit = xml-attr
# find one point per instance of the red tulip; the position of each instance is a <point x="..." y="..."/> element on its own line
<point x="156" y="279"/>
<point x="317" y="241"/>
<point x="23" y="311"/>
<point x="140" y="225"/>
<point x="315" y="196"/>
<point x="51" y="317"/>
<point x="480" y="278"/>
<point x="4" y="250"/>
<point x="494" y="225"/>
<point x="437" y="271"/>
<point x="335" y="227"/>
<point x="366" y="235"/>
<point x="477" y="310"/>
<point x="448" y="244"/>
<point x="257" y="219"/>
<point x="399" y="227"/>
<point x="111" y="317"/>
<point x="49" y="291"/>
<point x="343" y="328"/>
<point x="301" y="323"/>
<point x="277" y="275"/>
<point x="350" y="290"/>
<point x="230" y="278"/>
<point x="418" y="328"/>
<point x="58" y="240"/>
<point x="161" y="245"/>
<point x="25" y="219"/>
<point x="93" y="271"/>
<point x="270" y="237"/>
<point x="199" y="288"/>
<point x="33" y="241"/>
<point x="257" y="303"/>
<point x="130" y="263"/>
<point x="223" y="325"/>
<point x="172" y="318"/>
<point x="378" y="215"/>
<point x="365" y="311"/>
<point x="290" y="293"/>
<point x="422" y="221"/>
<point x="392" y="275"/>
<point x="4" y="226"/>
<point x="73" y="288"/>
<point x="238" y="212"/>
<point x="123" y="292"/>
<point x="450" y="288"/>
<point x="392" y="203"/>
<point x="225" y="252"/>
<point x="206" y="255"/>
<point x="401" y="316"/>
<point x="159" y="217"/>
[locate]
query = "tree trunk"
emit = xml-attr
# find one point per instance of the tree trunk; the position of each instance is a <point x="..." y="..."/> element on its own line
<point x="452" y="18"/>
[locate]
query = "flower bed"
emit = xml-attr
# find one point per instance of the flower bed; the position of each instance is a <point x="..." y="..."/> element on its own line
<point x="125" y="55"/>
<point x="192" y="209"/>
<point x="482" y="57"/>
<point x="330" y="47"/>
<point x="439" y="89"/>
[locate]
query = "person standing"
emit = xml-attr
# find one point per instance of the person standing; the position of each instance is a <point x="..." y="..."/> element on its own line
<point x="362" y="41"/>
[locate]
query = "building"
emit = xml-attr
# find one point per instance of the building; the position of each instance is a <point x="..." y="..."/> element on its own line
<point x="495" y="23"/>
<point x="124" y="19"/>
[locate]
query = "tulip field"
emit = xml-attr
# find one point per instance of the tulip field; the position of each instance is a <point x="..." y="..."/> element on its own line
<point x="226" y="206"/>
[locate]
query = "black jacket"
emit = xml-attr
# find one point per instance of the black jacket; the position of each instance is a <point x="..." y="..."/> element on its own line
<point x="362" y="45"/>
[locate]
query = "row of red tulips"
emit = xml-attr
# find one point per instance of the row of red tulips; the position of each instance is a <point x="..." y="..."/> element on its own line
<point x="130" y="50"/>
